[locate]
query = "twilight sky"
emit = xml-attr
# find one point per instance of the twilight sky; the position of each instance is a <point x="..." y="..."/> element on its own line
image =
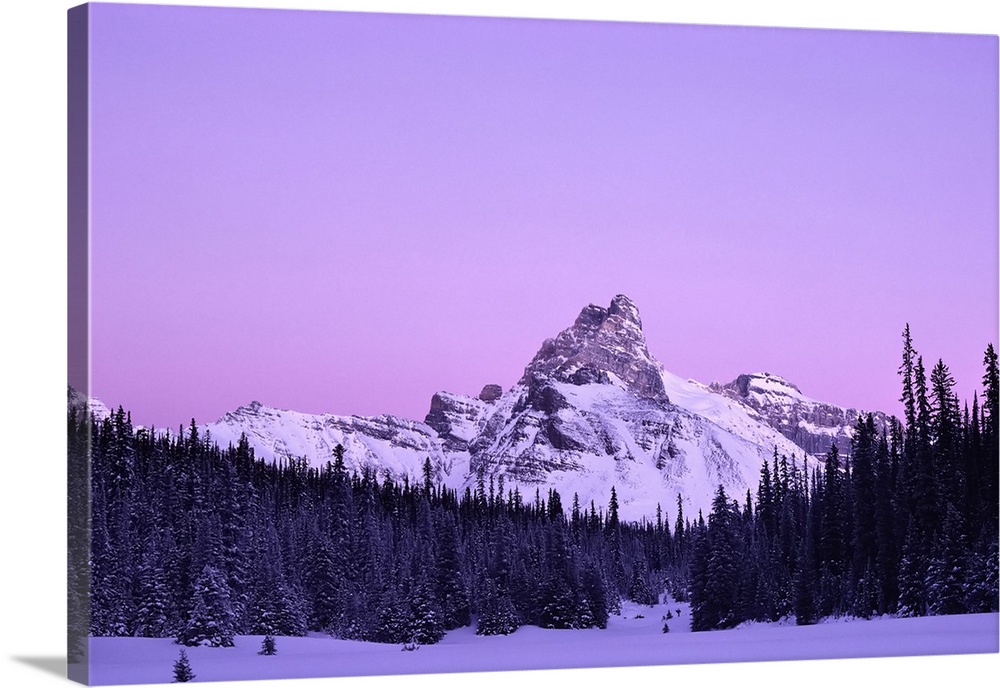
<point x="345" y="213"/>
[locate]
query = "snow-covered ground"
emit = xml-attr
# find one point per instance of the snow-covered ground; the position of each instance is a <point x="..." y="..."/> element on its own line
<point x="628" y="641"/>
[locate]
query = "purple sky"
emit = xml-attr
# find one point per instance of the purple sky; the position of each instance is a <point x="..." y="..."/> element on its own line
<point x="346" y="213"/>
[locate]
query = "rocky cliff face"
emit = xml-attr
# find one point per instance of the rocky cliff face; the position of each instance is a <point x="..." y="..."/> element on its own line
<point x="602" y="342"/>
<point x="812" y="425"/>
<point x="457" y="419"/>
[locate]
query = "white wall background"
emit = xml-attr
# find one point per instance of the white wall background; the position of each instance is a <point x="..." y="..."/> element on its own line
<point x="33" y="331"/>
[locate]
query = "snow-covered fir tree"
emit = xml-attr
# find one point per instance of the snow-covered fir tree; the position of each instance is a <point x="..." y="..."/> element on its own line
<point x="182" y="669"/>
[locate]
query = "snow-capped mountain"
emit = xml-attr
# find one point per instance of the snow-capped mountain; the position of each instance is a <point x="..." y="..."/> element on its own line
<point x="813" y="425"/>
<point x="593" y="409"/>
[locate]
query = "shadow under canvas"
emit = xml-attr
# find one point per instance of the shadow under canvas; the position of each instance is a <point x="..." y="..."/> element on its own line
<point x="50" y="664"/>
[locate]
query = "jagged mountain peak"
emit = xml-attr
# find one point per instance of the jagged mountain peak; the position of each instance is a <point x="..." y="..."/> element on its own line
<point x="601" y="342"/>
<point x="624" y="307"/>
<point x="251" y="410"/>
<point x="253" y="406"/>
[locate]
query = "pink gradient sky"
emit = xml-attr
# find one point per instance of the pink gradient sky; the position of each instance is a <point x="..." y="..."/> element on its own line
<point x="346" y="213"/>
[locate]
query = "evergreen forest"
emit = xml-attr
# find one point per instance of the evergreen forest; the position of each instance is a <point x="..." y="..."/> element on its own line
<point x="173" y="536"/>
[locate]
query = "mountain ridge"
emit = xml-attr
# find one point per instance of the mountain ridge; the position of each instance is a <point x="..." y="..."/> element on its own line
<point x="593" y="409"/>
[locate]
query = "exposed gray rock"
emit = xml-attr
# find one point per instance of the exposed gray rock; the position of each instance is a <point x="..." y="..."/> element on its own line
<point x="608" y="340"/>
<point x="456" y="418"/>
<point x="491" y="393"/>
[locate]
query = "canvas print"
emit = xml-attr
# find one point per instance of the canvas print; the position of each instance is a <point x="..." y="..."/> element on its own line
<point x="423" y="344"/>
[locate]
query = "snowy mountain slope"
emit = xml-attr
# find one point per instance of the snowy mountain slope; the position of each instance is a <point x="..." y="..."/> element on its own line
<point x="729" y="414"/>
<point x="582" y="439"/>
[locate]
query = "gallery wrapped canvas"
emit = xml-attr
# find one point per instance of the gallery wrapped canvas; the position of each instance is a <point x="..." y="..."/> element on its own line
<point x="408" y="344"/>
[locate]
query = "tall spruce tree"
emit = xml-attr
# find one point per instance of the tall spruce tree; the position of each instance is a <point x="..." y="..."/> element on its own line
<point x="946" y="438"/>
<point x="723" y="565"/>
<point x="805" y="608"/>
<point x="831" y="546"/>
<point x="945" y="577"/>
<point x="886" y="553"/>
<point x="990" y="430"/>
<point x="865" y="551"/>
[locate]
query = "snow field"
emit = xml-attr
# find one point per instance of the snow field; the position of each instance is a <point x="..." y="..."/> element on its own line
<point x="628" y="641"/>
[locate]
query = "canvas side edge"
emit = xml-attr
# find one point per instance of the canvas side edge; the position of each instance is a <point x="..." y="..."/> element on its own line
<point x="78" y="344"/>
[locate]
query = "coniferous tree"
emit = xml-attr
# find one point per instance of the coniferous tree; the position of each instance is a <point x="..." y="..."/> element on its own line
<point x="613" y="521"/>
<point x="639" y="590"/>
<point x="703" y="617"/>
<point x="886" y="557"/>
<point x="392" y="623"/>
<point x="559" y="602"/>
<point x="596" y="595"/>
<point x="427" y="624"/>
<point x="153" y="617"/>
<point x="498" y="615"/>
<point x="830" y="550"/>
<point x="944" y="582"/>
<point x="452" y="595"/>
<point x="182" y="669"/>
<point x="946" y="437"/>
<point x="865" y="551"/>
<point x="612" y="529"/>
<point x="805" y="582"/>
<point x="924" y="493"/>
<point x="212" y="620"/>
<point x="913" y="567"/>
<point x="765" y="500"/>
<point x="268" y="647"/>
<point x="906" y="369"/>
<point x="719" y="606"/>
<point x="990" y="432"/>
<point x="679" y="542"/>
<point x="981" y="580"/>
<point x="322" y="585"/>
<point x="991" y="394"/>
